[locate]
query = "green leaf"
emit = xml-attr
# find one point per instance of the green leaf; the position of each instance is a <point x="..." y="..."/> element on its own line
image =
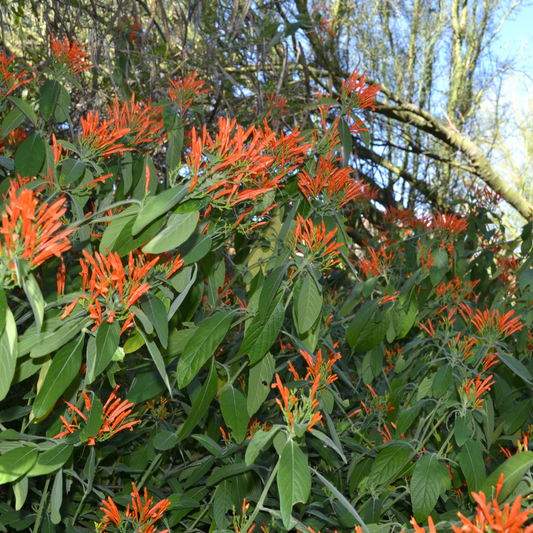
<point x="259" y="338"/>
<point x="202" y="345"/>
<point x="517" y="417"/>
<point x="29" y="157"/>
<point x="35" y="297"/>
<point x="94" y="421"/>
<point x="389" y="463"/>
<point x="8" y="353"/>
<point x="146" y="386"/>
<point x="195" y="248"/>
<point x="64" y="368"/>
<point x="107" y="341"/>
<point x="442" y="381"/>
<point x="270" y="289"/>
<point x="165" y="440"/>
<point x="3" y="310"/>
<point x="360" y="320"/>
<point x="365" y="136"/>
<point x="179" y="229"/>
<point x="259" y="383"/>
<point x="327" y="101"/>
<point x="403" y="321"/>
<point x="56" y="498"/>
<point x="62" y="106"/>
<point x="24" y="107"/>
<point x="52" y="459"/>
<point x="406" y="418"/>
<point x="228" y="471"/>
<point x="233" y="407"/>
<point x="48" y="98"/>
<point x="309" y="304"/>
<point x="513" y="470"/>
<point x="472" y="465"/>
<point x="373" y="333"/>
<point x="13" y="119"/>
<point x="259" y="442"/>
<point x="462" y="429"/>
<point x="427" y="482"/>
<point x="180" y="299"/>
<point x="157" y="358"/>
<point x="294" y="479"/>
<point x="20" y="489"/>
<point x="16" y="463"/>
<point x="71" y="171"/>
<point x="157" y="313"/>
<point x="440" y="267"/>
<point x="346" y="141"/>
<point x="156" y="206"/>
<point x="174" y="146"/>
<point x="516" y="366"/>
<point x="201" y="403"/>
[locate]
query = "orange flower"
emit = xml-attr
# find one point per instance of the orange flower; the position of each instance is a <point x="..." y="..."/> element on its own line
<point x="30" y="231"/>
<point x="379" y="263"/>
<point x="142" y="515"/>
<point x="115" y="411"/>
<point x="11" y="81"/>
<point x="72" y="56"/>
<point x="487" y="323"/>
<point x="13" y="139"/>
<point x="356" y="95"/>
<point x="100" y="139"/>
<point x="184" y="90"/>
<point x="476" y="389"/>
<point x="314" y="242"/>
<point x="321" y="367"/>
<point x="143" y="121"/>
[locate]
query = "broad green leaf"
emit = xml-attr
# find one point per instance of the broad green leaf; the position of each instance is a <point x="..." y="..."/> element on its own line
<point x="309" y="304"/>
<point x="157" y="358"/>
<point x="13" y="119"/>
<point x="472" y="465"/>
<point x="179" y="229"/>
<point x="3" y="310"/>
<point x="196" y="247"/>
<point x="20" y="489"/>
<point x="8" y="353"/>
<point x="513" y="470"/>
<point x="389" y="463"/>
<point x="403" y="321"/>
<point x="201" y="403"/>
<point x="71" y="171"/>
<point x="517" y="417"/>
<point x="63" y="105"/>
<point x="194" y="204"/>
<point x="180" y="299"/>
<point x="259" y="383"/>
<point x="146" y="386"/>
<point x="156" y="206"/>
<point x="202" y="345"/>
<point x="94" y="420"/>
<point x="463" y="429"/>
<point x="440" y="267"/>
<point x="157" y="313"/>
<point x="346" y="141"/>
<point x="56" y="498"/>
<point x="107" y="341"/>
<point x="427" y="482"/>
<point x="29" y="157"/>
<point x="90" y="469"/>
<point x="174" y="146"/>
<point x="222" y="503"/>
<point x="373" y="333"/>
<point x="424" y="388"/>
<point x="52" y="459"/>
<point x="294" y="479"/>
<point x="516" y="366"/>
<point x="16" y="463"/>
<point x="259" y="442"/>
<point x="24" y="107"/>
<point x="360" y="320"/>
<point x="442" y="380"/>
<point x="365" y="135"/>
<point x="233" y="407"/>
<point x="406" y="418"/>
<point x="64" y="368"/>
<point x="270" y="289"/>
<point x="35" y="297"/>
<point x="48" y="98"/>
<point x="165" y="440"/>
<point x="259" y="338"/>
<point x="228" y="471"/>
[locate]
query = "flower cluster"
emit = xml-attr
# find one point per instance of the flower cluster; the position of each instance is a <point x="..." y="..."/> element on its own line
<point x="184" y="90"/>
<point x="356" y="94"/>
<point x="494" y="324"/>
<point x="115" y="411"/>
<point x="321" y="368"/>
<point x="314" y="243"/>
<point x="141" y="517"/>
<point x="471" y="390"/>
<point x="68" y="56"/>
<point x="30" y="230"/>
<point x="379" y="263"/>
<point x="11" y="80"/>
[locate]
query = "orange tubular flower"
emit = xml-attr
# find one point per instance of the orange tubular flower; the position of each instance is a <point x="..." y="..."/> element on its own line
<point x="476" y="389"/>
<point x="314" y="242"/>
<point x="100" y="139"/>
<point x="11" y="80"/>
<point x="30" y="231"/>
<point x="379" y="263"/>
<point x="505" y="325"/>
<point x="143" y="121"/>
<point x="140" y="513"/>
<point x="321" y="367"/>
<point x="115" y="411"/>
<point x="109" y="285"/>
<point x="69" y="55"/>
<point x="356" y="94"/>
<point x="184" y="90"/>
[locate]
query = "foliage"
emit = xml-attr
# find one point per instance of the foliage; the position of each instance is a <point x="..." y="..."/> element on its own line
<point x="183" y="313"/>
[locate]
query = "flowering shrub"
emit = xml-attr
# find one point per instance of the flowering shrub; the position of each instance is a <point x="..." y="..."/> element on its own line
<point x="273" y="374"/>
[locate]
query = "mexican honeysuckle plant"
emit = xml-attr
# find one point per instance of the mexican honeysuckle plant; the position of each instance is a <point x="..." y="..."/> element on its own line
<point x="191" y="340"/>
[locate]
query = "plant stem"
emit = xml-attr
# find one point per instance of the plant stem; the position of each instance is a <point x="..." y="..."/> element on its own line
<point x="41" y="505"/>
<point x="262" y="499"/>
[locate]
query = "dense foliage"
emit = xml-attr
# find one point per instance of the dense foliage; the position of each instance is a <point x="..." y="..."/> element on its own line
<point x="189" y="336"/>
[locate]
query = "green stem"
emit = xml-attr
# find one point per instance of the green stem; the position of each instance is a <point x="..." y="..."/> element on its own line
<point x="149" y="471"/>
<point x="41" y="505"/>
<point x="261" y="501"/>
